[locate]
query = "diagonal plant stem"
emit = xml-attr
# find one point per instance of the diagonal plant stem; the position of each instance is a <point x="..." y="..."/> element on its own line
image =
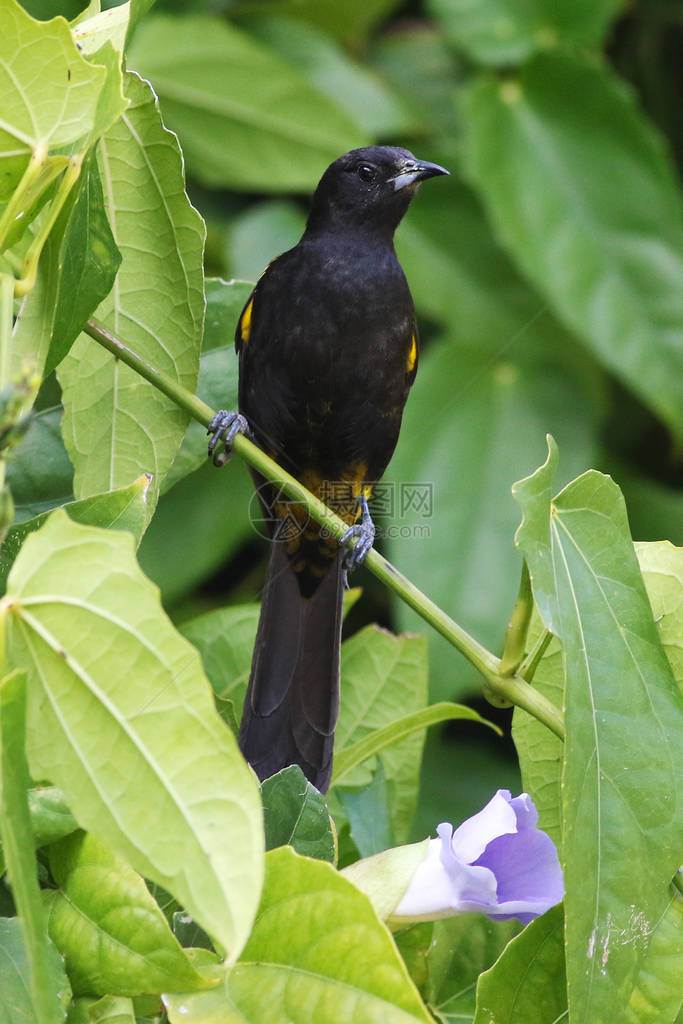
<point x="506" y="688"/>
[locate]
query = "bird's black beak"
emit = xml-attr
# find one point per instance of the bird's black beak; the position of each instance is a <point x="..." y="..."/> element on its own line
<point x="411" y="173"/>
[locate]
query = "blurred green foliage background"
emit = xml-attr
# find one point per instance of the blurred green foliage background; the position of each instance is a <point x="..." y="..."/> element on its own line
<point x="547" y="274"/>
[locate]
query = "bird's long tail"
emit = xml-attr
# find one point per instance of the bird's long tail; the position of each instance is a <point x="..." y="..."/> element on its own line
<point x="292" y="702"/>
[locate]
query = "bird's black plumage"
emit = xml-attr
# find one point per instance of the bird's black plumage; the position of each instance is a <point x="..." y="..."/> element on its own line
<point x="327" y="345"/>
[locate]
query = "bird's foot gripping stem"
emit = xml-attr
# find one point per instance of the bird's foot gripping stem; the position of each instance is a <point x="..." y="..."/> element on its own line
<point x="225" y="426"/>
<point x="365" y="532"/>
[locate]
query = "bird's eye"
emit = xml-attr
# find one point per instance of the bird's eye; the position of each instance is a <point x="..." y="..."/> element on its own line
<point x="367" y="173"/>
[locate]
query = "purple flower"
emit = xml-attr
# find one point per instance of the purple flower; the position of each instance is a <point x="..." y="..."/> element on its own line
<point x="497" y="863"/>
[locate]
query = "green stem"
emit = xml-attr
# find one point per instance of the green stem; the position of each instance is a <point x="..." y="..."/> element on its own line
<point x="30" y="265"/>
<point x="16" y="201"/>
<point x="528" y="667"/>
<point x="6" y="310"/>
<point x="509" y="688"/>
<point x="518" y="628"/>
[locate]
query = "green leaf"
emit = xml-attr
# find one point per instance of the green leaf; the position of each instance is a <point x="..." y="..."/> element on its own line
<point x="109" y="26"/>
<point x="584" y="196"/>
<point x="384" y="677"/>
<point x="367" y="810"/>
<point x="16" y="1006"/>
<point x="657" y="998"/>
<point x="354" y="87"/>
<point x="108" y="927"/>
<point x="317" y="953"/>
<point x="123" y="509"/>
<point x="378" y="740"/>
<point x="218" y="369"/>
<point x="246" y="118"/>
<point x="225" y="640"/>
<point x="122" y="719"/>
<point x="76" y="271"/>
<point x="619" y="851"/>
<point x="17" y="842"/>
<point x="662" y="567"/>
<point x="504" y="32"/>
<point x="49" y="91"/>
<point x="116" y="425"/>
<point x="39" y="472"/>
<point x="528" y="981"/>
<point x="296" y="814"/>
<point x="51" y="818"/>
<point x="450" y="955"/>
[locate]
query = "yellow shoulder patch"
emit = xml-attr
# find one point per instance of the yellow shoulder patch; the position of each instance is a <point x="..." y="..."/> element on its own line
<point x="412" y="355"/>
<point x="245" y="321"/>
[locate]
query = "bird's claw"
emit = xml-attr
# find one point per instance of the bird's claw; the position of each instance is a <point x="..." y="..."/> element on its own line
<point x="225" y="426"/>
<point x="365" y="534"/>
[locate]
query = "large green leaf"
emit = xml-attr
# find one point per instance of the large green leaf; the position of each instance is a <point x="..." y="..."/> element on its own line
<point x="528" y="981"/>
<point x="384" y="677"/>
<point x="122" y="719"/>
<point x="246" y="118"/>
<point x="15" y="1004"/>
<point x="123" y="509"/>
<point x="15" y="830"/>
<point x="108" y="927"/>
<point x="317" y="953"/>
<point x="75" y="273"/>
<point x="367" y="100"/>
<point x="49" y="92"/>
<point x="581" y="192"/>
<point x="116" y="425"/>
<point x="619" y="850"/>
<point x="657" y="997"/>
<point x="508" y="31"/>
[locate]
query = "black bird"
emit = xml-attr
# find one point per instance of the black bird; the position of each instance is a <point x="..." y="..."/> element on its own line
<point x="328" y="350"/>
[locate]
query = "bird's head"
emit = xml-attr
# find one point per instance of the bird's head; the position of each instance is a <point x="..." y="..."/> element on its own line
<point x="370" y="187"/>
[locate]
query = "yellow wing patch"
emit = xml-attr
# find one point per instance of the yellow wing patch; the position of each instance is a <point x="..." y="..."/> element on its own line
<point x="412" y="355"/>
<point x="245" y="321"/>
